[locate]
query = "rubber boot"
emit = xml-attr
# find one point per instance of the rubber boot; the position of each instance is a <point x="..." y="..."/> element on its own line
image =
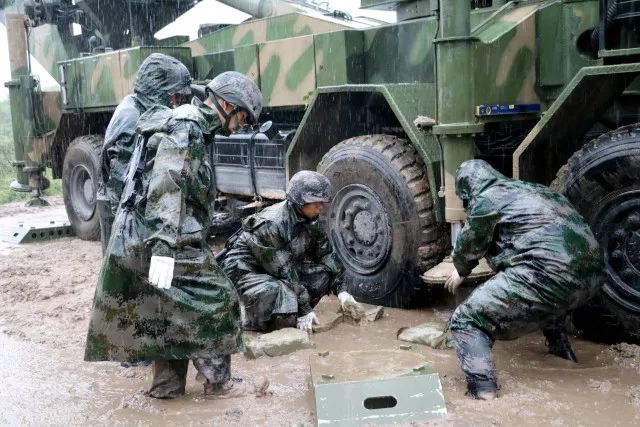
<point x="169" y="378"/>
<point x="226" y="390"/>
<point x="473" y="347"/>
<point x="482" y="390"/>
<point x="559" y="344"/>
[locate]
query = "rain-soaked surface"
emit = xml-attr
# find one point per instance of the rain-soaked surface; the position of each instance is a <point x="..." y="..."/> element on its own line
<point x="46" y="291"/>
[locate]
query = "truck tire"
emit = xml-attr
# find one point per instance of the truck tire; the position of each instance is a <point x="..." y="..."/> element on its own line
<point x="80" y="183"/>
<point x="602" y="180"/>
<point x="381" y="220"/>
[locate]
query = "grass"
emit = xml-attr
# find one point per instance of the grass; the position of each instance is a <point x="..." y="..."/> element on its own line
<point x="7" y="195"/>
<point x="7" y="172"/>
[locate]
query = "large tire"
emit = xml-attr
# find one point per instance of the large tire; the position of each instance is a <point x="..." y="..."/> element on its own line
<point x="80" y="183"/>
<point x="381" y="220"/>
<point x="602" y="180"/>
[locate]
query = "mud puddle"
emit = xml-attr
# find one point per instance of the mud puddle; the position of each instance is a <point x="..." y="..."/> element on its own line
<point x="46" y="291"/>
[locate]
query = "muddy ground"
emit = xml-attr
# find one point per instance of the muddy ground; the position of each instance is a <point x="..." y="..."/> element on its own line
<point x="46" y="291"/>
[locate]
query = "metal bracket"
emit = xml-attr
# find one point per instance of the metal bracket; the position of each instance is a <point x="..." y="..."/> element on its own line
<point x="25" y="234"/>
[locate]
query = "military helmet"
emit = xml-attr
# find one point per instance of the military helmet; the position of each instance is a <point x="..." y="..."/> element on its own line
<point x="159" y="77"/>
<point x="308" y="187"/>
<point x="237" y="89"/>
<point x="475" y="176"/>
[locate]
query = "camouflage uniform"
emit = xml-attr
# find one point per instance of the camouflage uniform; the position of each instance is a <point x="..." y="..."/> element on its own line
<point x="159" y="76"/>
<point x="546" y="258"/>
<point x="198" y="317"/>
<point x="281" y="264"/>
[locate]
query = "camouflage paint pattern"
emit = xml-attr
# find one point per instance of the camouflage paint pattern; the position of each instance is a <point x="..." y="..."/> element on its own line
<point x="290" y="55"/>
<point x="262" y="31"/>
<point x="198" y="316"/>
<point x="103" y="80"/>
<point x="282" y="263"/>
<point x="48" y="47"/>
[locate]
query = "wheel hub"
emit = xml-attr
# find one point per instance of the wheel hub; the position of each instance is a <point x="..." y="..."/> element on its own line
<point x="361" y="231"/>
<point x="83" y="192"/>
<point x="618" y="229"/>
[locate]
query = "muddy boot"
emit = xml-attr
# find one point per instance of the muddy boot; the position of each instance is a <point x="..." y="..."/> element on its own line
<point x="226" y="390"/>
<point x="281" y="321"/>
<point x="558" y="343"/>
<point x="482" y="390"/>
<point x="169" y="378"/>
<point x="473" y="348"/>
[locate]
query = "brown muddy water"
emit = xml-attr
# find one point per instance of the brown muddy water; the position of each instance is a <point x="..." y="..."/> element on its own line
<point x="45" y="295"/>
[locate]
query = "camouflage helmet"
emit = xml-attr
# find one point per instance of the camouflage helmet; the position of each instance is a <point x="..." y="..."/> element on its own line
<point x="159" y="77"/>
<point x="237" y="89"/>
<point x="308" y="187"/>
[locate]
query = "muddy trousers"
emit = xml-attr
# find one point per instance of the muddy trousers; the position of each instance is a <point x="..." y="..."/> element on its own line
<point x="170" y="376"/>
<point x="265" y="297"/>
<point x="473" y="347"/>
<point x="505" y="308"/>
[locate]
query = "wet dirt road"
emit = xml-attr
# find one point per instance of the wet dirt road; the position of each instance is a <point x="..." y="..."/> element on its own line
<point x="45" y="295"/>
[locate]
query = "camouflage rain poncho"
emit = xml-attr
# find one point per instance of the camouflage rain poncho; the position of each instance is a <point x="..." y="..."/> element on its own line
<point x="159" y="76"/>
<point x="546" y="257"/>
<point x="198" y="317"/>
<point x="547" y="262"/>
<point x="281" y="264"/>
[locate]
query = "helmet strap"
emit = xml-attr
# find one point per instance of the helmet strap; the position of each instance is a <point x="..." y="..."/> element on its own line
<point x="227" y="116"/>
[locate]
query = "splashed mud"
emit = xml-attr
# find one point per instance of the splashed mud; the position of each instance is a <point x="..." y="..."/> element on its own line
<point x="46" y="291"/>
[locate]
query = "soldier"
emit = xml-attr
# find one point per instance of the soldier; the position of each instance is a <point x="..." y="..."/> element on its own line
<point x="161" y="80"/>
<point x="547" y="263"/>
<point x="282" y="263"/>
<point x="161" y="295"/>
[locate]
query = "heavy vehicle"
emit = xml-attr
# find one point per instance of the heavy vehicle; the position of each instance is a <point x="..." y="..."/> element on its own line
<point x="544" y="90"/>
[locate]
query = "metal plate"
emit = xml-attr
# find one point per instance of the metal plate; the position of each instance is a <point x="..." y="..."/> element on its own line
<point x="375" y="387"/>
<point x="26" y="234"/>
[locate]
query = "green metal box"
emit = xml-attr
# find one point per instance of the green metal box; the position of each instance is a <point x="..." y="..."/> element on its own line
<point x="375" y="387"/>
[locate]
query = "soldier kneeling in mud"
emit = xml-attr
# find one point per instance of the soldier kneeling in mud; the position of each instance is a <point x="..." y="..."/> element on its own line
<point x="282" y="262"/>
<point x="546" y="259"/>
<point x="161" y="296"/>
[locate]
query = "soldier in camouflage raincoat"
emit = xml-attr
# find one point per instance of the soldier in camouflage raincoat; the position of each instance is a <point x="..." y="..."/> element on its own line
<point x="283" y="263"/>
<point x="161" y="80"/>
<point x="546" y="259"/>
<point x="187" y="308"/>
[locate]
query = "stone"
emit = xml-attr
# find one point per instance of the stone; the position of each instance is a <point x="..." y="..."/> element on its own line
<point x="441" y="272"/>
<point x="374" y="314"/>
<point x="277" y="343"/>
<point x="426" y="333"/>
<point x="365" y="313"/>
<point x="327" y="313"/>
<point x="354" y="313"/>
<point x="328" y="320"/>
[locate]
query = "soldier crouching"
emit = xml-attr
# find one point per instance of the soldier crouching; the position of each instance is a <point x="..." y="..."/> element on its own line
<point x="547" y="263"/>
<point x="282" y="263"/>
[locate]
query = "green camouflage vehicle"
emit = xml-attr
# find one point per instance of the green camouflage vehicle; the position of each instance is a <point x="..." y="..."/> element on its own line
<point x="544" y="90"/>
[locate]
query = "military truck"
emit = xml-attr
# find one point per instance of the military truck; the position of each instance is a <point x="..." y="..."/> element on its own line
<point x="544" y="90"/>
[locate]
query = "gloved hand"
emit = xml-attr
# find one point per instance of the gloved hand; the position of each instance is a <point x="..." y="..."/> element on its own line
<point x="306" y="322"/>
<point x="161" y="271"/>
<point x="350" y="307"/>
<point x="454" y="281"/>
<point x="346" y="298"/>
